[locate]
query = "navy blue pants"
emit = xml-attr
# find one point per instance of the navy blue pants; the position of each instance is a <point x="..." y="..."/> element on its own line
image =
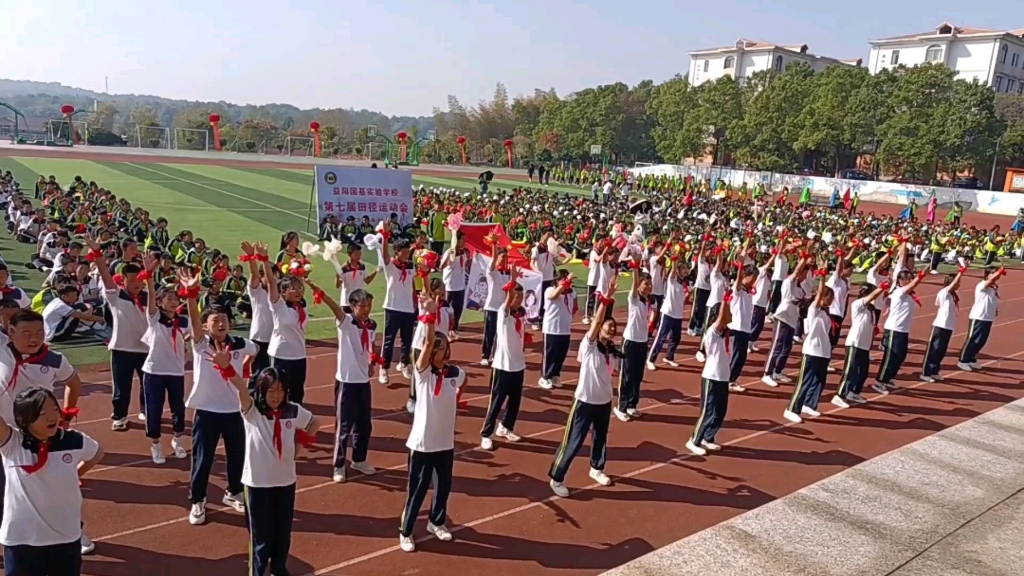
<point x="262" y="359"/>
<point x="53" y="560"/>
<point x="671" y="330"/>
<point x="583" y="418"/>
<point x="976" y="339"/>
<point x="268" y="515"/>
<point x="699" y="310"/>
<point x="207" y="430"/>
<point x="855" y="371"/>
<point x="656" y="301"/>
<point x="426" y="469"/>
<point x="123" y="368"/>
<point x="505" y="387"/>
<point x="739" y="354"/>
<point x="813" y="372"/>
<point x="544" y="285"/>
<point x="398" y="324"/>
<point x="709" y="317"/>
<point x="158" y="387"/>
<point x="556" y="348"/>
<point x="457" y="300"/>
<point x="352" y="402"/>
<point x="490" y="332"/>
<point x="782" y="345"/>
<point x="895" y="346"/>
<point x="938" y="344"/>
<point x="773" y="304"/>
<point x="757" y="323"/>
<point x="714" y="401"/>
<point x="631" y="373"/>
<point x="293" y="376"/>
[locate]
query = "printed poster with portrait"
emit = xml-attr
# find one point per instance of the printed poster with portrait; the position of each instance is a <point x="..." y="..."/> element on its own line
<point x="476" y="287"/>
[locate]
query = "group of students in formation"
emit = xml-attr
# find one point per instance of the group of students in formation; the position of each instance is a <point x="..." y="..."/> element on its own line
<point x="248" y="392"/>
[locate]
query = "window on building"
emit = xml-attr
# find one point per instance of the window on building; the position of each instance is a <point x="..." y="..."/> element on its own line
<point x="1014" y="59"/>
<point x="1020" y="88"/>
<point x="778" y="63"/>
<point x="1010" y="85"/>
<point x="999" y="83"/>
<point x="895" y="57"/>
<point x="707" y="65"/>
<point x="1003" y="50"/>
<point x="730" y="62"/>
<point x="933" y="54"/>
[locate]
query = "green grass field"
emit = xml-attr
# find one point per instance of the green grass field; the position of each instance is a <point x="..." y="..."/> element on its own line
<point x="222" y="205"/>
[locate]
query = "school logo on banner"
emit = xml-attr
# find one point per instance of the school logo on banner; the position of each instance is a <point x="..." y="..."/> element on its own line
<point x="331" y="178"/>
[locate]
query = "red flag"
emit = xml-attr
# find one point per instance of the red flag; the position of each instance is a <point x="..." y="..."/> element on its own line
<point x="847" y="199"/>
<point x="475" y="235"/>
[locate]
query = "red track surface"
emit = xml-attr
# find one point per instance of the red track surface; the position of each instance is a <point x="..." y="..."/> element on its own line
<point x="501" y="509"/>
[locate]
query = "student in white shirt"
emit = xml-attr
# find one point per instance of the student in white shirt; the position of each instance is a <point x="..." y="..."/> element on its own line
<point x="607" y="271"/>
<point x="658" y="270"/>
<point x="742" y="315"/>
<point x="443" y="319"/>
<point x="817" y="351"/>
<point x="273" y="427"/>
<point x="947" y="304"/>
<point x="432" y="436"/>
<point x="261" y="326"/>
<point x="839" y="282"/>
<point x="858" y="346"/>
<point x="64" y="316"/>
<point x="592" y="405"/>
<point x="639" y="316"/>
<point x="163" y="373"/>
<point x="508" y="368"/>
<point x="454" y="269"/>
<point x="670" y="326"/>
<point x="127" y="305"/>
<point x="10" y="292"/>
<point x="719" y="283"/>
<point x="287" y="347"/>
<point x="714" y="385"/>
<point x="543" y="262"/>
<point x="217" y="412"/>
<point x="787" y="316"/>
<point x="702" y="288"/>
<point x="557" y="324"/>
<point x="896" y="339"/>
<point x="352" y="275"/>
<point x="761" y="292"/>
<point x="399" y="308"/>
<point x="497" y="276"/>
<point x="41" y="531"/>
<point x="983" y="314"/>
<point x="593" y="264"/>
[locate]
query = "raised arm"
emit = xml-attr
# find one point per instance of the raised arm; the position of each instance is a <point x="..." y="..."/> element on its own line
<point x="97" y="258"/>
<point x="151" y="264"/>
<point x="268" y="272"/>
<point x="319" y="295"/>
<point x="429" y="329"/>
<point x="249" y="254"/>
<point x="190" y="290"/>
<point x="991" y="279"/>
<point x="385" y="249"/>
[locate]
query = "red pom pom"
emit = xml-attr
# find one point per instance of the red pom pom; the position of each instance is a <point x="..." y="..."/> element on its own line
<point x="508" y="143"/>
<point x="67" y="109"/>
<point x="460" y="140"/>
<point x="214" y="118"/>
<point x="402" y="135"/>
<point x="314" y="126"/>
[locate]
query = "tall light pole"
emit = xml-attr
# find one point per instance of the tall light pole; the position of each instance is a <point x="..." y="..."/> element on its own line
<point x="995" y="158"/>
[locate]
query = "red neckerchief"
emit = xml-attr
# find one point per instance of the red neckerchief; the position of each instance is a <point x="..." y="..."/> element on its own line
<point x="518" y="316"/>
<point x="462" y="258"/>
<point x="404" y="274"/>
<point x="42" y="455"/>
<point x="6" y="290"/>
<point x="20" y="361"/>
<point x="439" y="382"/>
<point x="137" y="299"/>
<point x="278" y="443"/>
<point x="364" y="332"/>
<point x="300" y="309"/>
<point x="175" y="330"/>
<point x="355" y="269"/>
<point x="725" y="336"/>
<point x="437" y="317"/>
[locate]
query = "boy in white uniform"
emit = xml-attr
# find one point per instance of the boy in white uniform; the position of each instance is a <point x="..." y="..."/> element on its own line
<point x="983" y="314"/>
<point x="858" y="346"/>
<point x="714" y="386"/>
<point x="817" y="351"/>
<point x="509" y="367"/>
<point x="561" y="305"/>
<point x="896" y="340"/>
<point x="947" y="304"/>
<point x="640" y="313"/>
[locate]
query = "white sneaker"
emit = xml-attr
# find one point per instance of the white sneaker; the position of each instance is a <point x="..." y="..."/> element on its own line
<point x="933" y="272"/>
<point x="830" y="370"/>
<point x="545" y="384"/>
<point x="559" y="489"/>
<point x="339" y="475"/>
<point x="406" y="371"/>
<point x="651" y="366"/>
<point x="695" y="449"/>
<point x="880" y="388"/>
<point x="710" y="446"/>
<point x="700" y="357"/>
<point x="691" y="332"/>
<point x="119" y="425"/>
<point x="179" y="449"/>
<point x="363" y="468"/>
<point x="672" y="363"/>
<point x="441" y="532"/>
<point x="383" y="377"/>
<point x="838" y="401"/>
<point x="856" y="399"/>
<point x="157" y="452"/>
<point x="406" y="543"/>
<point x="486" y="444"/>
<point x="556" y="382"/>
<point x="797" y="339"/>
<point x="600" y="477"/>
<point x="753" y="349"/>
<point x="734" y="387"/>
<point x="234" y="501"/>
<point x="620" y="414"/>
<point x="769" y="381"/>
<point x="783" y="379"/>
<point x="938" y="377"/>
<point x="197" y="515"/>
<point x="507" y="434"/>
<point x="964" y="367"/>
<point x="927" y="379"/>
<point x="792" y="417"/>
<point x="142" y="416"/>
<point x="891" y="386"/>
<point x="485" y="362"/>
<point x="410" y="406"/>
<point x="634" y="413"/>
<point x="810" y="412"/>
<point x="975" y="366"/>
<point x="87" y="545"/>
<point x="586" y="320"/>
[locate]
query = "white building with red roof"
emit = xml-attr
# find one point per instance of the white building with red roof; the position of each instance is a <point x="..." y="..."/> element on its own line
<point x="745" y="57"/>
<point x="993" y="57"/>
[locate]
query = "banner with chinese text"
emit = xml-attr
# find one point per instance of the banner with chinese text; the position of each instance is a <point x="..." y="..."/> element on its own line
<point x="350" y="191"/>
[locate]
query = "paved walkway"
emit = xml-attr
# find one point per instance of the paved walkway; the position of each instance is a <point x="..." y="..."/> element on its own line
<point x="951" y="504"/>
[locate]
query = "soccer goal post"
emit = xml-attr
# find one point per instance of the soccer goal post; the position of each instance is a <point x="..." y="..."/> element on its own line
<point x="59" y="131"/>
<point x="191" y="139"/>
<point x="298" y="146"/>
<point x="153" y="137"/>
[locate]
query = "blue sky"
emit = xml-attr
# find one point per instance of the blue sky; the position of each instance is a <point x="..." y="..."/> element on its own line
<point x="405" y="56"/>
